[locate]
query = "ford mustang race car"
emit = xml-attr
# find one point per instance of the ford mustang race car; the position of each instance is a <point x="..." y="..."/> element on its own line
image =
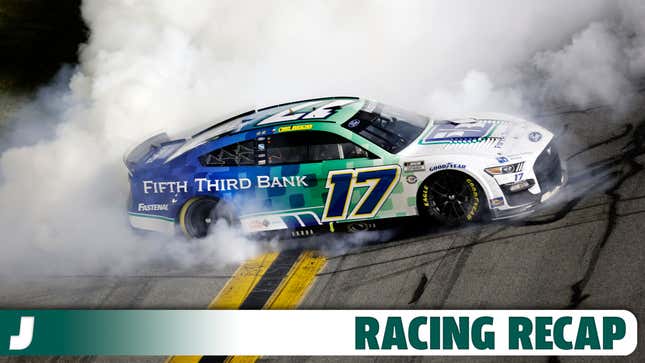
<point x="341" y="163"/>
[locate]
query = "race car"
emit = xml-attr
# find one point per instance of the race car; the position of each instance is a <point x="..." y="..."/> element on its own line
<point x="341" y="163"/>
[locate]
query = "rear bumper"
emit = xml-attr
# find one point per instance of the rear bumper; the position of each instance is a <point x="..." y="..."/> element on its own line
<point x="150" y="222"/>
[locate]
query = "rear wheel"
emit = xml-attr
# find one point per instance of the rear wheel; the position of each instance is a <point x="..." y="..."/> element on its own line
<point x="199" y="214"/>
<point x="451" y="198"/>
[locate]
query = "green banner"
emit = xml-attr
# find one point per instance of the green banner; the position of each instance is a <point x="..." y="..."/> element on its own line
<point x="100" y="332"/>
<point x="317" y="332"/>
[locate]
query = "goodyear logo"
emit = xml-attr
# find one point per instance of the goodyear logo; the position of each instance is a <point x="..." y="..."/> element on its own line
<point x="295" y="128"/>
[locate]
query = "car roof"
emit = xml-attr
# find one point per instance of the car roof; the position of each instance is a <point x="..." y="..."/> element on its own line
<point x="327" y="109"/>
<point x="262" y="117"/>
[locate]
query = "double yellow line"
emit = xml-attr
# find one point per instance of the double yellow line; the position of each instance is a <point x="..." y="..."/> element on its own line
<point x="238" y="288"/>
<point x="287" y="295"/>
<point x="297" y="282"/>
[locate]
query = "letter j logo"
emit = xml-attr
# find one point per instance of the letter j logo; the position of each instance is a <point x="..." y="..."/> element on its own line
<point x="25" y="334"/>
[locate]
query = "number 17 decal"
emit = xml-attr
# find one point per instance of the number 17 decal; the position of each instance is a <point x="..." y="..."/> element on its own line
<point x="379" y="180"/>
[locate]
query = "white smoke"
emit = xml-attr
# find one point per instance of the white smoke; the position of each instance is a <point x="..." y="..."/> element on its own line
<point x="163" y="64"/>
<point x="593" y="68"/>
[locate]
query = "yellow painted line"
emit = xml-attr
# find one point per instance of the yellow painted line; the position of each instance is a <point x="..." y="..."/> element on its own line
<point x="241" y="359"/>
<point x="184" y="359"/>
<point x="297" y="282"/>
<point x="233" y="294"/>
<point x="291" y="290"/>
<point x="288" y="295"/>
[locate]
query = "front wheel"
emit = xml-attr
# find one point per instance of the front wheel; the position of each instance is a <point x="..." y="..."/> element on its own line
<point x="451" y="198"/>
<point x="199" y="214"/>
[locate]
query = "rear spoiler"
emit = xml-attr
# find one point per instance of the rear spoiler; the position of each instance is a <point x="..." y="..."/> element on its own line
<point x="137" y="153"/>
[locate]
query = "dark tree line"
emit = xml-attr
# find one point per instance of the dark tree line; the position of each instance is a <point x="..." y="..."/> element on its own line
<point x="36" y="38"/>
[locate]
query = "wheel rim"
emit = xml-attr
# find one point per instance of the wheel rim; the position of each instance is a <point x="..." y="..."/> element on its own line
<point x="452" y="197"/>
<point x="200" y="217"/>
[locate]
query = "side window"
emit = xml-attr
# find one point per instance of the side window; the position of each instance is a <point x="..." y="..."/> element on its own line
<point x="242" y="153"/>
<point x="309" y="147"/>
<point x="353" y="151"/>
<point x="285" y="149"/>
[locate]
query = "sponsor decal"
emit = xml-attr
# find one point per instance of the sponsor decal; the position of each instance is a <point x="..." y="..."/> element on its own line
<point x="218" y="185"/>
<point x="295" y="128"/>
<point x="353" y="123"/>
<point x="535" y="136"/>
<point x="256" y="225"/>
<point x="411" y="179"/>
<point x="449" y="132"/>
<point x="151" y="207"/>
<point x="502" y="159"/>
<point x="471" y="213"/>
<point x="447" y="166"/>
<point x="260" y="182"/>
<point x="150" y="186"/>
<point x="418" y="165"/>
<point x="500" y="143"/>
<point x="517" y="156"/>
<point x="496" y="202"/>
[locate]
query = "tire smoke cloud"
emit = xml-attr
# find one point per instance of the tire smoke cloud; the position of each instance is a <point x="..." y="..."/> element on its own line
<point x="168" y="65"/>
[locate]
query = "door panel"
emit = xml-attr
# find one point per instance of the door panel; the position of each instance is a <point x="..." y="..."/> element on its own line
<point x="357" y="188"/>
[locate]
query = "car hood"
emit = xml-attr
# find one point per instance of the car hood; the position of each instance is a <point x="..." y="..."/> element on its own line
<point x="483" y="134"/>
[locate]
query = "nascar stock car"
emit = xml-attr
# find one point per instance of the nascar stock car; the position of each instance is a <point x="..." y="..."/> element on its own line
<point x="341" y="163"/>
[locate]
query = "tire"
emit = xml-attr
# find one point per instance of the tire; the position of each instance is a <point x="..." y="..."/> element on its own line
<point x="198" y="215"/>
<point x="451" y="198"/>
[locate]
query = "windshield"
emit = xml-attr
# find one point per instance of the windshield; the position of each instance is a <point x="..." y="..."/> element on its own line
<point x="388" y="127"/>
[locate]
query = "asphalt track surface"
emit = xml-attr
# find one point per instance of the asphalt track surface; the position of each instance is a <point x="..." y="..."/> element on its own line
<point x="584" y="252"/>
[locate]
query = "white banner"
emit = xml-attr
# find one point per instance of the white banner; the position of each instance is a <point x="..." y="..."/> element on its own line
<point x="415" y="332"/>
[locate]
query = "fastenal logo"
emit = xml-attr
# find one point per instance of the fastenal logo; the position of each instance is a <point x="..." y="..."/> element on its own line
<point x="25" y="334"/>
<point x="152" y="207"/>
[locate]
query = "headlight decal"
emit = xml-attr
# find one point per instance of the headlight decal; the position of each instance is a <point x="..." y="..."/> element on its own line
<point x="505" y="169"/>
